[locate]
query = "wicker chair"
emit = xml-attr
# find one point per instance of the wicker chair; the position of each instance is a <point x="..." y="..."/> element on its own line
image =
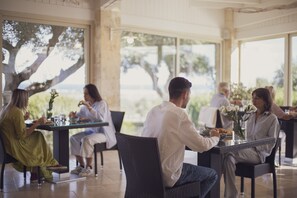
<point x="117" y="119"/>
<point x="141" y="160"/>
<point x="5" y="158"/>
<point x="253" y="171"/>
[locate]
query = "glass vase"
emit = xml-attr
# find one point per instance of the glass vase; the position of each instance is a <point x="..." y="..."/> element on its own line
<point x="238" y="132"/>
<point x="49" y="114"/>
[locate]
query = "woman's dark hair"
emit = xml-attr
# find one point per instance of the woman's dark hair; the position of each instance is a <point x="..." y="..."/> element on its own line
<point x="93" y="92"/>
<point x="177" y="85"/>
<point x="264" y="94"/>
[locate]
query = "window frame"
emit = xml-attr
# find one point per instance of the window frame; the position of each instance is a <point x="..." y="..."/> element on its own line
<point x="32" y="18"/>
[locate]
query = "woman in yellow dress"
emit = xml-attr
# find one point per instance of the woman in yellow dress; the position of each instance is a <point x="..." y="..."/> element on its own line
<point x="26" y="145"/>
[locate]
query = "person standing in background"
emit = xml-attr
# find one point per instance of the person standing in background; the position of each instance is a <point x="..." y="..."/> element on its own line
<point x="221" y="99"/>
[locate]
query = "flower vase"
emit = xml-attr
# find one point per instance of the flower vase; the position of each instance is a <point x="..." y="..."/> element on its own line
<point x="238" y="132"/>
<point x="49" y="114"/>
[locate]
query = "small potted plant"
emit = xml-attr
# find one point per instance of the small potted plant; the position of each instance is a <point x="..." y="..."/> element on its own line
<point x="49" y="112"/>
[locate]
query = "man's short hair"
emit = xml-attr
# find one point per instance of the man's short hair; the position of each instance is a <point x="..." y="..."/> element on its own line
<point x="177" y="85"/>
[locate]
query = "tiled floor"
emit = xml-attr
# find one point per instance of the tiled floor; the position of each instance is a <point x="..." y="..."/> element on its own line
<point x="110" y="183"/>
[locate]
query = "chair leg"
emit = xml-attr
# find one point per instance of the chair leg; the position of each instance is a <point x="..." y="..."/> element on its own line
<point x="101" y="155"/>
<point x="279" y="154"/>
<point x="241" y="185"/>
<point x="2" y="177"/>
<point x="95" y="162"/>
<point x="274" y="185"/>
<point x="253" y="188"/>
<point x="39" y="175"/>
<point x="25" y="172"/>
<point x="120" y="160"/>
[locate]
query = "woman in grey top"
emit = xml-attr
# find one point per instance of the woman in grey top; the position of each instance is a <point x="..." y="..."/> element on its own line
<point x="261" y="124"/>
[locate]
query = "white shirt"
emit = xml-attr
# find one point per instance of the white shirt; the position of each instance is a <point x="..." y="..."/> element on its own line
<point x="265" y="126"/>
<point x="174" y="130"/>
<point x="100" y="112"/>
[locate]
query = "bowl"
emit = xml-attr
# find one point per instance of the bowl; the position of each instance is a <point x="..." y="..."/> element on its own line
<point x="73" y="120"/>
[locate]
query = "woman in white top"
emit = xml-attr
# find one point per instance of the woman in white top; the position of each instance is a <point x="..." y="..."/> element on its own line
<point x="93" y="108"/>
<point x="261" y="124"/>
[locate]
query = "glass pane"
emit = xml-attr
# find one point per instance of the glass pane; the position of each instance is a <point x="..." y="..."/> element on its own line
<point x="294" y="69"/>
<point x="147" y="64"/>
<point x="39" y="57"/>
<point x="262" y="64"/>
<point x="197" y="64"/>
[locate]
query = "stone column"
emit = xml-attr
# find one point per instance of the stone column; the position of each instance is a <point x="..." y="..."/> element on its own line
<point x="228" y="37"/>
<point x="105" y="72"/>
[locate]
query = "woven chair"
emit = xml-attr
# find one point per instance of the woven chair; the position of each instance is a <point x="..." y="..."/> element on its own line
<point x="5" y="158"/>
<point x="253" y="171"/>
<point x="141" y="160"/>
<point x="117" y="119"/>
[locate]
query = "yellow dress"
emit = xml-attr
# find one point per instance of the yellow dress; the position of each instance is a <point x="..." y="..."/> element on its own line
<point x="31" y="150"/>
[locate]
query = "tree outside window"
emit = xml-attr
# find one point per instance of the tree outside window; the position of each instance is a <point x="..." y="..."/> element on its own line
<point x="148" y="63"/>
<point x="39" y="57"/>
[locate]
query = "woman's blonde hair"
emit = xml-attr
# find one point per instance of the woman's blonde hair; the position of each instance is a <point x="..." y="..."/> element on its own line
<point x="271" y="91"/>
<point x="19" y="98"/>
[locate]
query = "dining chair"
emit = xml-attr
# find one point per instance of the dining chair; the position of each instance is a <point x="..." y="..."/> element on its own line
<point x="5" y="158"/>
<point x="210" y="117"/>
<point x="141" y="160"/>
<point x="253" y="171"/>
<point x="117" y="119"/>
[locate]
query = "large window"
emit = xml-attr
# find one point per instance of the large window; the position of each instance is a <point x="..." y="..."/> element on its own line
<point x="262" y="64"/>
<point x="198" y="64"/>
<point x="149" y="62"/>
<point x="39" y="57"/>
<point x="294" y="69"/>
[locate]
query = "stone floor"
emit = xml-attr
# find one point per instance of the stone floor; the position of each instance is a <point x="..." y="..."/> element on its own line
<point x="110" y="183"/>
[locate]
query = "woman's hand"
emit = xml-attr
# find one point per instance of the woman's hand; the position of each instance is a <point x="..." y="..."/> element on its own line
<point x="42" y="120"/>
<point x="86" y="103"/>
<point x="72" y="114"/>
<point x="83" y="102"/>
<point x="27" y="115"/>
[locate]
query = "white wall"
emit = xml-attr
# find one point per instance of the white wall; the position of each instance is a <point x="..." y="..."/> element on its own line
<point x="56" y="8"/>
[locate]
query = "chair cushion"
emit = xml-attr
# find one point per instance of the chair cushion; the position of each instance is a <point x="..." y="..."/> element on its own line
<point x="252" y="170"/>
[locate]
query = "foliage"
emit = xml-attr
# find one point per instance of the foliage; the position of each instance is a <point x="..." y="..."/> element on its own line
<point x="138" y="54"/>
<point x="238" y="117"/>
<point x="278" y="79"/>
<point x="65" y="103"/>
<point x="42" y="41"/>
<point x="194" y="107"/>
<point x="54" y="94"/>
<point x="240" y="92"/>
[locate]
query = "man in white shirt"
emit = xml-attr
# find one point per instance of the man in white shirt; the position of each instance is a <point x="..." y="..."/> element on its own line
<point x="174" y="130"/>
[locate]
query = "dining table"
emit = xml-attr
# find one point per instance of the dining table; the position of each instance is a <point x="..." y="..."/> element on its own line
<point x="61" y="144"/>
<point x="290" y="129"/>
<point x="213" y="157"/>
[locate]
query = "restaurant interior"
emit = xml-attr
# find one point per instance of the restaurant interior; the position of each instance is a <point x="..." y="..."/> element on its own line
<point x="130" y="49"/>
